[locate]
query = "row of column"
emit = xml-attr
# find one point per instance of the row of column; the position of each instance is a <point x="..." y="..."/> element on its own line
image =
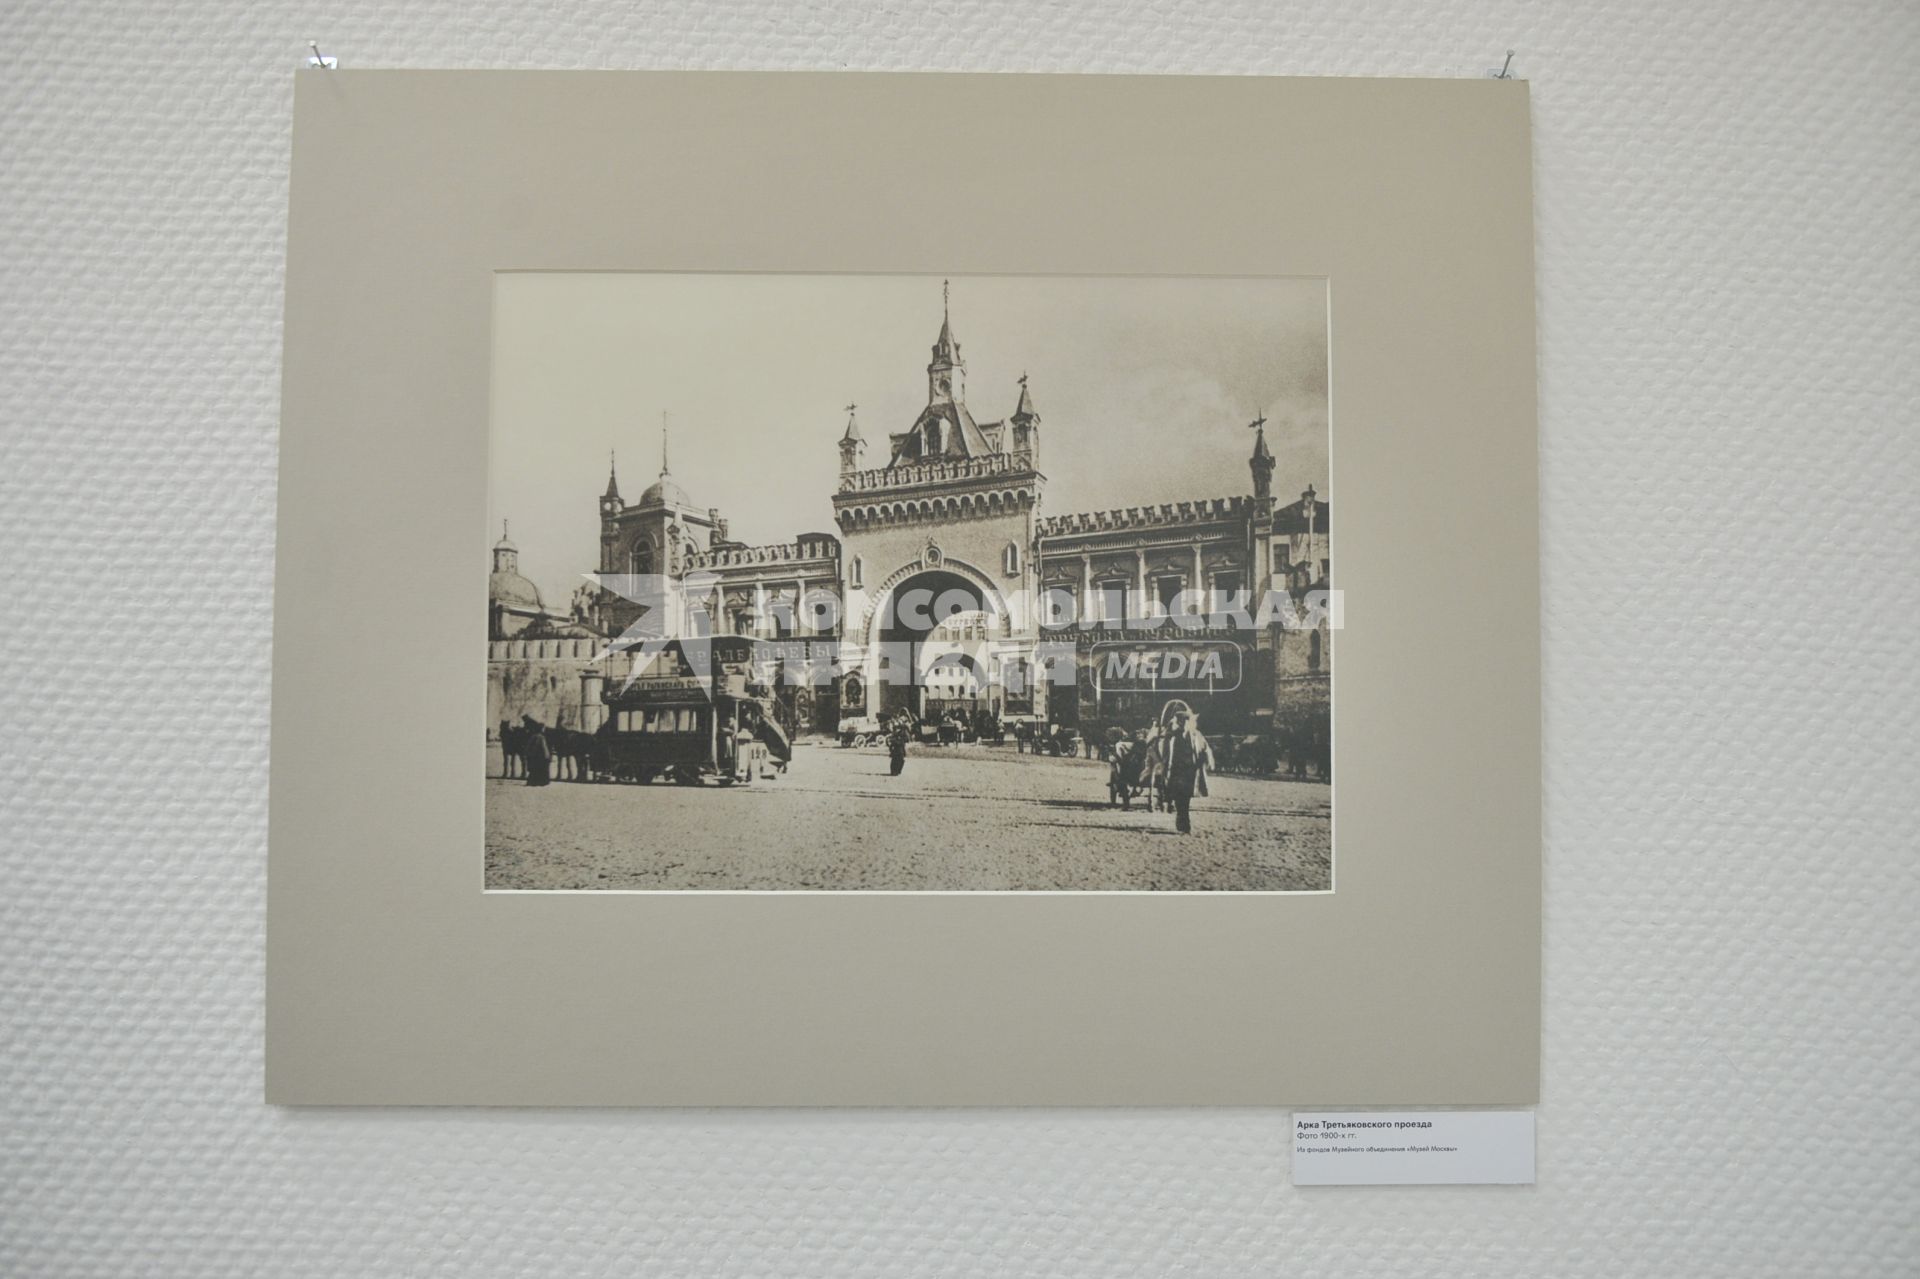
<point x="1194" y="582"/>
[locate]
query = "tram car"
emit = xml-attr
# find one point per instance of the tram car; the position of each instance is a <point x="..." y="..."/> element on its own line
<point x="672" y="722"/>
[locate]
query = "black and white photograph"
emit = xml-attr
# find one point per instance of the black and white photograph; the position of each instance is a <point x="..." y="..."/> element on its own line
<point x="909" y="583"/>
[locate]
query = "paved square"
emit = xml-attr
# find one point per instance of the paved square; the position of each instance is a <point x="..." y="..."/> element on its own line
<point x="959" y="817"/>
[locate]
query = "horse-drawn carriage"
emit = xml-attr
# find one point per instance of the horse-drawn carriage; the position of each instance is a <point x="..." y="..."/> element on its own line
<point x="680" y="723"/>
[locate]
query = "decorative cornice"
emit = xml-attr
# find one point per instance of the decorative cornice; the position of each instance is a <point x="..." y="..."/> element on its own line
<point x="994" y="466"/>
<point x="822" y="550"/>
<point x="1130" y="518"/>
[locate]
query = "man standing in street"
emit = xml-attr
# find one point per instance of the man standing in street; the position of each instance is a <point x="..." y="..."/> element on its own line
<point x="536" y="750"/>
<point x="1188" y="757"/>
<point x="897" y="746"/>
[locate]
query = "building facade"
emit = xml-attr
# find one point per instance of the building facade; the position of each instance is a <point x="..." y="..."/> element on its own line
<point x="947" y="585"/>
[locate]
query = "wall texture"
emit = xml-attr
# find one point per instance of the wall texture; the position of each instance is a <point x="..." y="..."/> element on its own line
<point x="1729" y="262"/>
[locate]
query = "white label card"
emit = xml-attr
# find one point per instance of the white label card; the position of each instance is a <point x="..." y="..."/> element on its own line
<point x="1414" y="1148"/>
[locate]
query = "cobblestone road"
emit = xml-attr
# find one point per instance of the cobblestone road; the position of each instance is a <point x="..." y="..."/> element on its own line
<point x="970" y="817"/>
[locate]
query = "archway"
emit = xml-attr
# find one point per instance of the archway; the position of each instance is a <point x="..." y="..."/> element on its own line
<point x="933" y="605"/>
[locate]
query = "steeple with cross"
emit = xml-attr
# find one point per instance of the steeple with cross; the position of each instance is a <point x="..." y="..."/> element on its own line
<point x="1261" y="463"/>
<point x="946" y="376"/>
<point x="852" y="444"/>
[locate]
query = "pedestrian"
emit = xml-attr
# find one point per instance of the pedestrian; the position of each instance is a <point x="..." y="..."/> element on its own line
<point x="897" y="747"/>
<point x="1187" y="758"/>
<point x="537" y="752"/>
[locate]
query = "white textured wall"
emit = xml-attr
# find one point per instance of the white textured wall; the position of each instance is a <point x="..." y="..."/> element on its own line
<point x="1728" y="202"/>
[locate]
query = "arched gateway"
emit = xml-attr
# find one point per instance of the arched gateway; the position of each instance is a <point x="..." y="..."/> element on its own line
<point x="934" y="640"/>
<point x="945" y="528"/>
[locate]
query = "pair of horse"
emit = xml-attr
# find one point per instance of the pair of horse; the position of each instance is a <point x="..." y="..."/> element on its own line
<point x="575" y="756"/>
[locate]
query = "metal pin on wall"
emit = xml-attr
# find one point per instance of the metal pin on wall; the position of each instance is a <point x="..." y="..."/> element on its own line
<point x="1505" y="71"/>
<point x="318" y="59"/>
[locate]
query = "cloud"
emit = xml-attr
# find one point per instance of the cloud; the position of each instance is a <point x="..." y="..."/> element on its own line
<point x="1145" y="387"/>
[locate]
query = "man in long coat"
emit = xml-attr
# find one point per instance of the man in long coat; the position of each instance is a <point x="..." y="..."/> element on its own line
<point x="1187" y="758"/>
<point x="897" y="746"/>
<point x="537" y="752"/>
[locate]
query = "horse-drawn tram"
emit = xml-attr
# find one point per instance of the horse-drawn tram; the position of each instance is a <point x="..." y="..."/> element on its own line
<point x="674" y="721"/>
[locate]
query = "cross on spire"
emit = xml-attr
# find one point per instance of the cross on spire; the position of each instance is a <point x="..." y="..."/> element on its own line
<point x="663" y="441"/>
<point x="1262" y="460"/>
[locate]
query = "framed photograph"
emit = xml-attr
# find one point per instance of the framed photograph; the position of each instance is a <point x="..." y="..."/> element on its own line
<point x="921" y="663"/>
<point x="976" y="652"/>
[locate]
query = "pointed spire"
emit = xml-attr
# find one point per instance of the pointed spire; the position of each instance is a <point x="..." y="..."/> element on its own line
<point x="945" y="349"/>
<point x="505" y="543"/>
<point x="663" y="443"/>
<point x="1261" y="453"/>
<point x="613" y="478"/>
<point x="852" y="433"/>
<point x="1025" y="407"/>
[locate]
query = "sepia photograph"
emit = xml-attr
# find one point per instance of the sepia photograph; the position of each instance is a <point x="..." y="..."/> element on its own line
<point x="901" y="583"/>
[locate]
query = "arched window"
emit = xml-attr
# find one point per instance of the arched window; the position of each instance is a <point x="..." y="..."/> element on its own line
<point x="642" y="557"/>
<point x="1012" y="557"/>
<point x="855" y="571"/>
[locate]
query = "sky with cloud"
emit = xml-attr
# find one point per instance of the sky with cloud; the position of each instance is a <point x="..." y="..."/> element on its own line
<point x="1145" y="387"/>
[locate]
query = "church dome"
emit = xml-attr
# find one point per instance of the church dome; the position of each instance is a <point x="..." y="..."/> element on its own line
<point x="508" y="589"/>
<point x="505" y="587"/>
<point x="664" y="492"/>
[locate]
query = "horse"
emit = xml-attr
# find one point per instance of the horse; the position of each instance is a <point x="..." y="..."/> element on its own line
<point x="572" y="754"/>
<point x="512" y="746"/>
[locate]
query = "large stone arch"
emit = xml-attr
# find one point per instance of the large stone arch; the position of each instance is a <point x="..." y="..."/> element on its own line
<point x="886" y="632"/>
<point x="980" y="581"/>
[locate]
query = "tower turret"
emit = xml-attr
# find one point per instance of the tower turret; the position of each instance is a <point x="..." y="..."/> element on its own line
<point x="946" y="376"/>
<point x="852" y="444"/>
<point x="610" y="500"/>
<point x="1026" y="424"/>
<point x="610" y="507"/>
<point x="506" y="556"/>
<point x="1261" y="463"/>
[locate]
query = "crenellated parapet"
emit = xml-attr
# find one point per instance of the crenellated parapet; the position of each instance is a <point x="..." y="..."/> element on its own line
<point x="808" y="548"/>
<point x="1130" y="518"/>
<point x="566" y="649"/>
<point x="947" y="471"/>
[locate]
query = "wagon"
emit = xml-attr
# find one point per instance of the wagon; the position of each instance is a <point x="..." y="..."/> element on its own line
<point x="866" y="730"/>
<point x="675" y="723"/>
